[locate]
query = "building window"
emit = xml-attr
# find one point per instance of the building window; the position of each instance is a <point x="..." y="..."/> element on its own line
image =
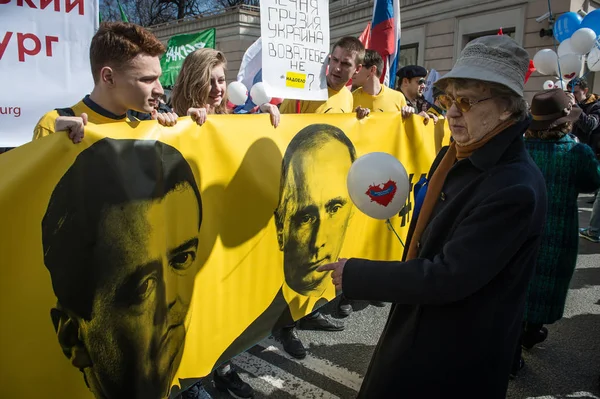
<point x="409" y="55"/>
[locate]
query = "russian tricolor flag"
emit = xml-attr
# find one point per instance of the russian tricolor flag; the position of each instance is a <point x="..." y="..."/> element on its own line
<point x="385" y="36"/>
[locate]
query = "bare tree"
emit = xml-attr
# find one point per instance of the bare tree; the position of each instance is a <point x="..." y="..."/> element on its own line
<point x="152" y="12"/>
<point x="233" y="3"/>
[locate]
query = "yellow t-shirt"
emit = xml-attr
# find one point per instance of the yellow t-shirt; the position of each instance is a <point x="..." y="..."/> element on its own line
<point x="388" y="100"/>
<point x="339" y="102"/>
<point x="434" y="110"/>
<point x="96" y="115"/>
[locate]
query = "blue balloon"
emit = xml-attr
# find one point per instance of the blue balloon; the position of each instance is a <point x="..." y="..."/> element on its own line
<point x="566" y="25"/>
<point x="592" y="21"/>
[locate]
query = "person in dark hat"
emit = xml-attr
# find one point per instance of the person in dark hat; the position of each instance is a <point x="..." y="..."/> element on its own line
<point x="411" y="82"/>
<point x="569" y="168"/>
<point x="436" y="107"/>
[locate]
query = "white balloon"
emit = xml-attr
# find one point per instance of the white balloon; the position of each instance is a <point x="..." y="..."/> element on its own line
<point x="237" y="93"/>
<point x="548" y="85"/>
<point x="570" y="66"/>
<point x="561" y="84"/>
<point x="378" y="185"/>
<point x="583" y="40"/>
<point x="258" y="94"/>
<point x="546" y="61"/>
<point x="593" y="60"/>
<point x="565" y="48"/>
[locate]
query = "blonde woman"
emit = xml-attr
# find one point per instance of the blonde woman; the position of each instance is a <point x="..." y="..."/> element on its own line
<point x="201" y="88"/>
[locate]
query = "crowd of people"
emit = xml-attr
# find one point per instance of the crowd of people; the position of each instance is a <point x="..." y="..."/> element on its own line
<point x="493" y="248"/>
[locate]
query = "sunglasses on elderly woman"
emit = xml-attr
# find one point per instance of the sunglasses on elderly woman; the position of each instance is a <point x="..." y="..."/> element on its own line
<point x="464" y="104"/>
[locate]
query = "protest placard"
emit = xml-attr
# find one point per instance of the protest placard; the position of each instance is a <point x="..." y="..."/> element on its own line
<point x="44" y="61"/>
<point x="295" y="36"/>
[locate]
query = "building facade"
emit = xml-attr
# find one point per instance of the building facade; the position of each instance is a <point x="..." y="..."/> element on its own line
<point x="433" y="31"/>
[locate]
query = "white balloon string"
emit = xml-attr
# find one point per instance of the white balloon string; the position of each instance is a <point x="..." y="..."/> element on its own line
<point x="555" y="46"/>
<point x="389" y="224"/>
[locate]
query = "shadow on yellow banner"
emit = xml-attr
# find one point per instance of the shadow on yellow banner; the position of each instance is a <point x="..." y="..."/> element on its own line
<point x="138" y="260"/>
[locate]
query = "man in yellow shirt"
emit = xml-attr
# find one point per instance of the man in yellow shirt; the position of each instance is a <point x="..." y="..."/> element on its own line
<point x="125" y="63"/>
<point x="345" y="60"/>
<point x="370" y="93"/>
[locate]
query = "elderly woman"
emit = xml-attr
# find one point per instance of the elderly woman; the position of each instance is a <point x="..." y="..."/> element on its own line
<point x="458" y="295"/>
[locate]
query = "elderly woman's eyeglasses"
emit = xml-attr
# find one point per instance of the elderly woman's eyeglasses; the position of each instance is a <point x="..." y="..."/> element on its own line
<point x="464" y="104"/>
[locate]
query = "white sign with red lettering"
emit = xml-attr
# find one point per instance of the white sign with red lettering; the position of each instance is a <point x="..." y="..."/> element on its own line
<point x="44" y="61"/>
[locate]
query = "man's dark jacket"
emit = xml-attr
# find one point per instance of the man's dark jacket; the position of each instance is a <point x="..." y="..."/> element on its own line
<point x="457" y="309"/>
<point x="587" y="127"/>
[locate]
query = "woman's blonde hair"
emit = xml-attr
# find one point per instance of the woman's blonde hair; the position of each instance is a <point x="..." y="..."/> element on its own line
<point x="193" y="83"/>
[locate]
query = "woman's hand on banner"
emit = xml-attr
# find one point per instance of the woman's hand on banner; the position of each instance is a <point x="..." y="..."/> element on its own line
<point x="362" y="112"/>
<point x="165" y="118"/>
<point x="273" y="111"/>
<point x="198" y="115"/>
<point x="73" y="125"/>
<point x="338" y="272"/>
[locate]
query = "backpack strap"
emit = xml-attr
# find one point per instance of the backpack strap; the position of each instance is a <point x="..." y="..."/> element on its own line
<point x="65" y="111"/>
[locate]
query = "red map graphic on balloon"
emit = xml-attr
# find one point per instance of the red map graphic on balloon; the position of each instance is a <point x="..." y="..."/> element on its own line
<point x="383" y="194"/>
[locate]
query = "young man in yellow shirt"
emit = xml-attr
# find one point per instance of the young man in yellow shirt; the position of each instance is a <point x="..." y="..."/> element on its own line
<point x="345" y="60"/>
<point x="125" y="63"/>
<point x="370" y="93"/>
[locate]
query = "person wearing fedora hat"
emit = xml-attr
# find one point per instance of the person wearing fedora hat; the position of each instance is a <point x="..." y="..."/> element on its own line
<point x="569" y="168"/>
<point x="458" y="294"/>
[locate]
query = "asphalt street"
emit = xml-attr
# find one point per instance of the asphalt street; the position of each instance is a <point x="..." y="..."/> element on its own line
<point x="566" y="365"/>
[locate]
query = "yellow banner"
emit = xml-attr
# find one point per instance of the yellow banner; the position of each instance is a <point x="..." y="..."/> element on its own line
<point x="145" y="255"/>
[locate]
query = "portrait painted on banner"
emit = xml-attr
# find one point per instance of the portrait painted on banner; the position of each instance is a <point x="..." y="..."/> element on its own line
<point x="311" y="219"/>
<point x="120" y="237"/>
<point x="314" y="206"/>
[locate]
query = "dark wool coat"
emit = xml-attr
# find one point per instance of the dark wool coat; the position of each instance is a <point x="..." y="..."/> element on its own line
<point x="569" y="169"/>
<point x="587" y="128"/>
<point x="457" y="309"/>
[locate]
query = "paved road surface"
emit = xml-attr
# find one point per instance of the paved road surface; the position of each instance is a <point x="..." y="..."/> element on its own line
<point x="567" y="365"/>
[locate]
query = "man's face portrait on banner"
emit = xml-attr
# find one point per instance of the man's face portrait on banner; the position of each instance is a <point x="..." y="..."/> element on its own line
<point x="314" y="208"/>
<point x="120" y="238"/>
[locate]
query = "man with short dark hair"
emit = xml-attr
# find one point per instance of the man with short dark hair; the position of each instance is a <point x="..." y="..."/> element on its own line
<point x="370" y="93"/>
<point x="411" y="82"/>
<point x="120" y="237"/>
<point x="587" y="130"/>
